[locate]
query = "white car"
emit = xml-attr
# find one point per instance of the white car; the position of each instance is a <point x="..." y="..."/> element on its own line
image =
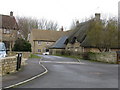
<point x="2" y="50"/>
<point x="46" y="53"/>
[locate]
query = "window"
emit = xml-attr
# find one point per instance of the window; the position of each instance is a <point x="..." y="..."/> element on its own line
<point x="47" y="50"/>
<point x="76" y="48"/>
<point x="6" y="31"/>
<point x="39" y="42"/>
<point x="68" y="48"/>
<point x="47" y="43"/>
<point x="39" y="50"/>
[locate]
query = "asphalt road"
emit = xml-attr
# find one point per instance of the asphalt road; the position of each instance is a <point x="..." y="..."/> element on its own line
<point x="68" y="73"/>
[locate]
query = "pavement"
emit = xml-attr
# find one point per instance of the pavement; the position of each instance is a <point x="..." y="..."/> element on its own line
<point x="32" y="69"/>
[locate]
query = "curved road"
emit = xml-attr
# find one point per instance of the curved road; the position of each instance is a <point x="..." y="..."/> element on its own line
<point x="69" y="73"/>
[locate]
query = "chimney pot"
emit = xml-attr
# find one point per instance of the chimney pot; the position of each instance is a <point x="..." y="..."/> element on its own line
<point x="97" y="16"/>
<point x="62" y="28"/>
<point x="77" y="23"/>
<point x="11" y="13"/>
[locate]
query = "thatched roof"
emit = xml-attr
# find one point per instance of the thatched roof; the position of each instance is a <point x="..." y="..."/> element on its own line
<point x="80" y="34"/>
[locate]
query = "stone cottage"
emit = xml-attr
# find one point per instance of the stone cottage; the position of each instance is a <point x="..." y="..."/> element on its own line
<point x="41" y="40"/>
<point x="79" y="41"/>
<point x="8" y="30"/>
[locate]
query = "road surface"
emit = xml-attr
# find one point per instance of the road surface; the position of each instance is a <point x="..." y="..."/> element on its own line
<point x="69" y="73"/>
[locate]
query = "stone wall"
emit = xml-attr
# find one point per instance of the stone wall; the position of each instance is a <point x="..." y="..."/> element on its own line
<point x="41" y="47"/>
<point x="8" y="65"/>
<point x="24" y="54"/>
<point x="56" y="51"/>
<point x="110" y="57"/>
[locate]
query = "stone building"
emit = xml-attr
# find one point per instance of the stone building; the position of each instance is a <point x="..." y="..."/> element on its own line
<point x="8" y="30"/>
<point x="59" y="46"/>
<point x="79" y="41"/>
<point x="41" y="40"/>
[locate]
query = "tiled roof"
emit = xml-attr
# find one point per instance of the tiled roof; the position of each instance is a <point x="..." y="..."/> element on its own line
<point x="60" y="43"/>
<point x="8" y="22"/>
<point x="47" y="35"/>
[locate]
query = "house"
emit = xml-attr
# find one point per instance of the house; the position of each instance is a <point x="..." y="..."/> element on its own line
<point x="59" y="46"/>
<point x="41" y="40"/>
<point x="8" y="30"/>
<point x="79" y="41"/>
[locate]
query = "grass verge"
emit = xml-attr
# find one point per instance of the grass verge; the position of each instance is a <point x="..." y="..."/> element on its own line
<point x="75" y="57"/>
<point x="34" y="56"/>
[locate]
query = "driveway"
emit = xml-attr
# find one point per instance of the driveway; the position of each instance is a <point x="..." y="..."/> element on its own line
<point x="68" y="73"/>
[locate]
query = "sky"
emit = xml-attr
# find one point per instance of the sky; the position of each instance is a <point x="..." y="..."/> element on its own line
<point x="61" y="11"/>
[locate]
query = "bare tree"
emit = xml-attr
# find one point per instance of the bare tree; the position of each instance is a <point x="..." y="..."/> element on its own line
<point x="74" y="23"/>
<point x="26" y="25"/>
<point x="44" y="24"/>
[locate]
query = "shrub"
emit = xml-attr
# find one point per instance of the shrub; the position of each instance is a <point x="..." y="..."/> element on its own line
<point x="22" y="45"/>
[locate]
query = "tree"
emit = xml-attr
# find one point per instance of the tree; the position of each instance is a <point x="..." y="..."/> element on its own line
<point x="111" y="34"/>
<point x="103" y="35"/>
<point x="95" y="34"/>
<point x="22" y="45"/>
<point x="74" y="23"/>
<point x="26" y="25"/>
<point x="44" y="24"/>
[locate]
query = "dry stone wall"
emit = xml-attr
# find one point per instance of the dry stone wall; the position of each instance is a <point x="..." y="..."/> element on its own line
<point x="110" y="57"/>
<point x="8" y="65"/>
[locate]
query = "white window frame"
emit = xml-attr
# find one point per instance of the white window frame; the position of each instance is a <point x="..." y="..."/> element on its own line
<point x="6" y="31"/>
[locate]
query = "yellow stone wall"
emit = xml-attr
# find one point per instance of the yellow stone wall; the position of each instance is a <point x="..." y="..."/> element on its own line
<point x="7" y="65"/>
<point x="74" y="47"/>
<point x="42" y="47"/>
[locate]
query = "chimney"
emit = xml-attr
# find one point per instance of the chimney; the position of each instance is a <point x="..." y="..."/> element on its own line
<point x="77" y="23"/>
<point x="97" y="16"/>
<point x="11" y="13"/>
<point x="62" y="28"/>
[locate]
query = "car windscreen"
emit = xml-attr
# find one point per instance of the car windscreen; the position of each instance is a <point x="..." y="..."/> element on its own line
<point x="2" y="47"/>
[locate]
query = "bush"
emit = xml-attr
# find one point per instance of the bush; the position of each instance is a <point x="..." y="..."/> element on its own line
<point x="22" y="45"/>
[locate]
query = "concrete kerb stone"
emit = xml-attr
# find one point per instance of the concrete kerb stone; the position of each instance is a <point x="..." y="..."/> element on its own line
<point x="30" y="79"/>
<point x="77" y="59"/>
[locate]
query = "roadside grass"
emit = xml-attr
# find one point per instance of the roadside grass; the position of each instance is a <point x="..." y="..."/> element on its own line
<point x="64" y="56"/>
<point x="34" y="56"/>
<point x="75" y="57"/>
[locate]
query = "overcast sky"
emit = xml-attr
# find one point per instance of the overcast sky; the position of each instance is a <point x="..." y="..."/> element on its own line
<point x="62" y="11"/>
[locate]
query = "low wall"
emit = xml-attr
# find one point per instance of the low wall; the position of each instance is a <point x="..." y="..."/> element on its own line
<point x="8" y="65"/>
<point x="24" y="54"/>
<point x="110" y="57"/>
